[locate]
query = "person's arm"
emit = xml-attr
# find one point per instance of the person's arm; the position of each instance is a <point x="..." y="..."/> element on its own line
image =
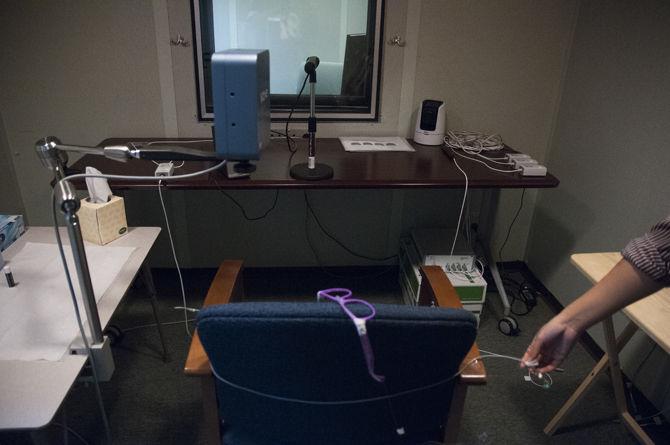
<point x="644" y="269"/>
<point x="623" y="285"/>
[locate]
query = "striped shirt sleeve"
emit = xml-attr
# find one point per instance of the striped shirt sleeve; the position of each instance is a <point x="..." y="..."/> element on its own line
<point x="650" y="253"/>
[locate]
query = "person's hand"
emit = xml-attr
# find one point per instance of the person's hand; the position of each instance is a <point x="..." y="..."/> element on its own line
<point x="550" y="346"/>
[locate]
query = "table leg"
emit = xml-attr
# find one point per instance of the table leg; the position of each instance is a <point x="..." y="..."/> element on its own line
<point x="149" y="281"/>
<point x="487" y="216"/>
<point x="602" y="364"/>
<point x="617" y="383"/>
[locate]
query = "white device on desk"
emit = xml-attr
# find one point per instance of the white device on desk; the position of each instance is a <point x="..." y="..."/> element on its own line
<point x="431" y="123"/>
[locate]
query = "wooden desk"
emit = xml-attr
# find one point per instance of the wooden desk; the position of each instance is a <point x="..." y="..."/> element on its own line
<point x="427" y="167"/>
<point x="32" y="391"/>
<point x="651" y="314"/>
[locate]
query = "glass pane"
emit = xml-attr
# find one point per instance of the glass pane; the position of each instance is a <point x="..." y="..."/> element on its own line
<point x="334" y="30"/>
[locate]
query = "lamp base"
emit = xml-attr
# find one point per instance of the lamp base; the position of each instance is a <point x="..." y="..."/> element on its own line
<point x="319" y="172"/>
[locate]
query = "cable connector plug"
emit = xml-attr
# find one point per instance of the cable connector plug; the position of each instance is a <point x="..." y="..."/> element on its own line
<point x="164" y="169"/>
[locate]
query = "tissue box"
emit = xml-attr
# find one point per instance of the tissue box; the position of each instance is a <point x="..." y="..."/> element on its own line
<point x="103" y="222"/>
<point x="11" y="228"/>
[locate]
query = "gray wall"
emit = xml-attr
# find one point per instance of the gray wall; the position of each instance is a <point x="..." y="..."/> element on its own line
<point x="497" y="65"/>
<point x="82" y="71"/>
<point x="85" y="71"/>
<point x="611" y="151"/>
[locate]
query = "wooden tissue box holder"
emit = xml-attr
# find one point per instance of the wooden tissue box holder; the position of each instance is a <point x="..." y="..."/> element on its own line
<point x="104" y="222"/>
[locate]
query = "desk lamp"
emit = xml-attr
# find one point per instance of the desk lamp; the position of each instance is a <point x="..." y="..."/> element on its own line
<point x="311" y="170"/>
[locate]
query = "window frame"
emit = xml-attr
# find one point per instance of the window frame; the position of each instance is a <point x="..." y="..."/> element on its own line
<point x="326" y="112"/>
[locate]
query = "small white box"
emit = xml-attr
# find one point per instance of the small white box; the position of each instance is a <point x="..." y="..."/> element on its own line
<point x="104" y="222"/>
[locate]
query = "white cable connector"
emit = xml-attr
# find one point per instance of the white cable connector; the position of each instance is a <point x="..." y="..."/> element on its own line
<point x="164" y="169"/>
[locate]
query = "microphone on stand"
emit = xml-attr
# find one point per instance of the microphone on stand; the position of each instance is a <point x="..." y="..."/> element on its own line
<point x="311" y="170"/>
<point x="311" y="64"/>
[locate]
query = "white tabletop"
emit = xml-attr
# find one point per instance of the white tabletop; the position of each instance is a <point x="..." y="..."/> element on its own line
<point x="32" y="391"/>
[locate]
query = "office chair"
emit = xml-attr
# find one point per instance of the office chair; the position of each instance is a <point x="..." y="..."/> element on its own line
<point x="295" y="373"/>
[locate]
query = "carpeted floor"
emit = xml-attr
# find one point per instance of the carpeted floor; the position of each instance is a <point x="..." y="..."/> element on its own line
<point x="152" y="402"/>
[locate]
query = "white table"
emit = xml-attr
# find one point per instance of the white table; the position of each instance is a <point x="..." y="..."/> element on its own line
<point x="32" y="391"/>
<point x="650" y="314"/>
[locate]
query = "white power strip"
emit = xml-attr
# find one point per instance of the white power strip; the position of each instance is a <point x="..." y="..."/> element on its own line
<point x="534" y="170"/>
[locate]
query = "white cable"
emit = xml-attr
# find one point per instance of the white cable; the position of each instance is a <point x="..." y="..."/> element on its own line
<point x="370" y="399"/>
<point x="166" y="323"/>
<point x="494" y="160"/>
<point x="193" y="141"/>
<point x="485" y="164"/>
<point x="176" y="261"/>
<point x="473" y="143"/>
<point x="460" y="215"/>
<point x="190" y="309"/>
<point x="173" y="166"/>
<point x="146" y="178"/>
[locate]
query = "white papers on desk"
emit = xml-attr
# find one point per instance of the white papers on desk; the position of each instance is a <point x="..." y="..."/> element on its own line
<point x="377" y="143"/>
<point x="37" y="320"/>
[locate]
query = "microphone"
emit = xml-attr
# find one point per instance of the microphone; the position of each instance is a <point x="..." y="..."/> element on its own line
<point x="311" y="63"/>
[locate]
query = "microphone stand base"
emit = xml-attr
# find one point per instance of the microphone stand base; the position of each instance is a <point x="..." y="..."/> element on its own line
<point x="319" y="172"/>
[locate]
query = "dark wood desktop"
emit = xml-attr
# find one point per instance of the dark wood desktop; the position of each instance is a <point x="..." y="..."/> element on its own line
<point x="427" y="167"/>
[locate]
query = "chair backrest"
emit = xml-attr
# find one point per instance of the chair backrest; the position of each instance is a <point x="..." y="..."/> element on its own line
<point x="311" y="352"/>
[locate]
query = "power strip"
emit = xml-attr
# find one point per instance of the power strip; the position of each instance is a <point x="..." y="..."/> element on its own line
<point x="512" y="156"/>
<point x="164" y="169"/>
<point x="534" y="170"/>
<point x="528" y="165"/>
<point x="521" y="162"/>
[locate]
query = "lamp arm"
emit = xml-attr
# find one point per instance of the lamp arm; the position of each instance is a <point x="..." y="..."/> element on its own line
<point x="50" y="151"/>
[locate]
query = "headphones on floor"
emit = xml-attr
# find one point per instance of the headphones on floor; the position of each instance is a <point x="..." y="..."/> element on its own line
<point x="509" y="326"/>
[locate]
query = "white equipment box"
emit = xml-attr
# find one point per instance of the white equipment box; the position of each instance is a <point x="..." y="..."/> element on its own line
<point x="460" y="269"/>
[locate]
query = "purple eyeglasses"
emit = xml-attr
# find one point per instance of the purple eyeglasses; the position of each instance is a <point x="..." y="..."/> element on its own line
<point x="343" y="297"/>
